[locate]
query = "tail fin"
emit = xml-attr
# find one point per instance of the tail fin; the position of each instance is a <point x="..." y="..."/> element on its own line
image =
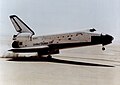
<point x="20" y="26"/>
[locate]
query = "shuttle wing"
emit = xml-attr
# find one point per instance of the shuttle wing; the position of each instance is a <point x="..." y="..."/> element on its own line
<point x="31" y="49"/>
<point x="45" y="50"/>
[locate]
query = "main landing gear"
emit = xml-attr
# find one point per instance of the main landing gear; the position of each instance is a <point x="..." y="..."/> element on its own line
<point x="49" y="57"/>
<point x="45" y="57"/>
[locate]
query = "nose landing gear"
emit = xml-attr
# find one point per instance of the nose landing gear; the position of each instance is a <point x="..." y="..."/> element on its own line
<point x="103" y="48"/>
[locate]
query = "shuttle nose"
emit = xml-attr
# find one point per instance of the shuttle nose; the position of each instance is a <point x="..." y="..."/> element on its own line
<point x="107" y="39"/>
<point x="110" y="38"/>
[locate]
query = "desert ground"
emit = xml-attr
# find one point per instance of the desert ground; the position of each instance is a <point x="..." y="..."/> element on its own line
<point x="76" y="66"/>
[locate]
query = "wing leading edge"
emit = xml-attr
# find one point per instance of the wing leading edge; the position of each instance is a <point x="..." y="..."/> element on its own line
<point x="41" y="51"/>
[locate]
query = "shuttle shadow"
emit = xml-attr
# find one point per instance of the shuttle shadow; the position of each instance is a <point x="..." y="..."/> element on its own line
<point x="54" y="60"/>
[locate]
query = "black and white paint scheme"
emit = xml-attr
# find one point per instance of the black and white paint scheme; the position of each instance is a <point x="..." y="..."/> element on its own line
<point x="26" y="41"/>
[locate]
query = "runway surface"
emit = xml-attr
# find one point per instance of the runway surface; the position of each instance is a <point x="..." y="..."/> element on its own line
<point x="77" y="66"/>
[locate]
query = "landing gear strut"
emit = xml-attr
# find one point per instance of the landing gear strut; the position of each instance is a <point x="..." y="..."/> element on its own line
<point x="49" y="57"/>
<point x="103" y="48"/>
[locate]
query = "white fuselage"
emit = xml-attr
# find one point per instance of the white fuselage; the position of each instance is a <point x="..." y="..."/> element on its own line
<point x="75" y="37"/>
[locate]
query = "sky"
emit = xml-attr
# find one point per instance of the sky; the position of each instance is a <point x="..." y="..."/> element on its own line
<point x="60" y="16"/>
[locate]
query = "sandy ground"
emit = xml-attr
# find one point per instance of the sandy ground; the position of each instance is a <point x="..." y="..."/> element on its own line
<point x="77" y="66"/>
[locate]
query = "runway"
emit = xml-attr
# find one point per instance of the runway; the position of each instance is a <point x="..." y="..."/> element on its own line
<point x="77" y="66"/>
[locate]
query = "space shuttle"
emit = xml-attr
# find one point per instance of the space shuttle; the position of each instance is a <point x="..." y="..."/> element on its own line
<point x="25" y="40"/>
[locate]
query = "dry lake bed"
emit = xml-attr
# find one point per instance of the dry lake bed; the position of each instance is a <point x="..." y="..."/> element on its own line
<point x="77" y="66"/>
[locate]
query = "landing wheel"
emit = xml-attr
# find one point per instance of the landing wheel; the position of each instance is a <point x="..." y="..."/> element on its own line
<point x="39" y="55"/>
<point x="103" y="48"/>
<point x="49" y="57"/>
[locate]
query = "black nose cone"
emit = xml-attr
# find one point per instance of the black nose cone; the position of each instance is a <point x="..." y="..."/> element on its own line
<point x="107" y="39"/>
<point x="110" y="38"/>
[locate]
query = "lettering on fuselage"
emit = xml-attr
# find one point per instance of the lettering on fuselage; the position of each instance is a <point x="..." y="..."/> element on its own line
<point x="42" y="43"/>
<point x="36" y="44"/>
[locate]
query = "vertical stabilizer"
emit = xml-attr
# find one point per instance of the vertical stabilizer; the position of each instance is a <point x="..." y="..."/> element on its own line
<point x="20" y="26"/>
